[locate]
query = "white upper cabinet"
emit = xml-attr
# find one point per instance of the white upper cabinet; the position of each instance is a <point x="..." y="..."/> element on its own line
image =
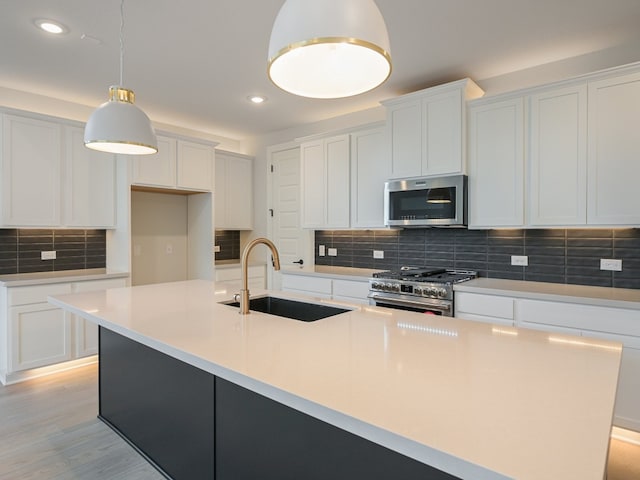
<point x="614" y="151"/>
<point x="89" y="184"/>
<point x="370" y="168"/>
<point x="179" y="164"/>
<point x="427" y="129"/>
<point x="496" y="164"/>
<point x="581" y="160"/>
<point x="233" y="191"/>
<point x="195" y="163"/>
<point x="325" y="182"/>
<point x="558" y="157"/>
<point x="157" y="170"/>
<point x="31" y="172"/>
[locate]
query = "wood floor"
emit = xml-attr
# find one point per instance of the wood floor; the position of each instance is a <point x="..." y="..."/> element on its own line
<point x="49" y="431"/>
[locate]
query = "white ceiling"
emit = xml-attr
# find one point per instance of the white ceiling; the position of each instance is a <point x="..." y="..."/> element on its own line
<point x="192" y="63"/>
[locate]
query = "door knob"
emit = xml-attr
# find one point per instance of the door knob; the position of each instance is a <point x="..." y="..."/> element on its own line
<point x="300" y="262"/>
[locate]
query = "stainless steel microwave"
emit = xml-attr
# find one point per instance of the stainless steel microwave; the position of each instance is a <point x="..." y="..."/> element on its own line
<point x="426" y="202"/>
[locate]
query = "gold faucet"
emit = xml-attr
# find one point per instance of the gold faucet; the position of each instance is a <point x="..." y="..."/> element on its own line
<point x="244" y="293"/>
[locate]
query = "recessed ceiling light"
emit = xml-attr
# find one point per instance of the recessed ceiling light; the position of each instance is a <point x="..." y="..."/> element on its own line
<point x="257" y="99"/>
<point x="51" y="26"/>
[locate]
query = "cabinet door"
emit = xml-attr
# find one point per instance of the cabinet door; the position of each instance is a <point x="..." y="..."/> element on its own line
<point x="338" y="183"/>
<point x="239" y="193"/>
<point x="404" y="123"/>
<point x="614" y="150"/>
<point x="31" y="172"/>
<point x="40" y="335"/>
<point x="195" y="166"/>
<point x="442" y="134"/>
<point x="496" y="164"/>
<point x="370" y="168"/>
<point x="158" y="169"/>
<point x="86" y="332"/>
<point x="90" y="184"/>
<point x="314" y="185"/>
<point x="558" y="157"/>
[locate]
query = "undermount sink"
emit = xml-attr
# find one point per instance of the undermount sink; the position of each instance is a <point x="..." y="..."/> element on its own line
<point x="306" y="312"/>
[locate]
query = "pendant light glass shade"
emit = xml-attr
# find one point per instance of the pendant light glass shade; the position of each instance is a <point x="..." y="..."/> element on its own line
<point x="118" y="126"/>
<point x="329" y="48"/>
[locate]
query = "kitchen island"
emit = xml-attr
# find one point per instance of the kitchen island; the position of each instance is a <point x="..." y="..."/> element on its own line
<point x="462" y="399"/>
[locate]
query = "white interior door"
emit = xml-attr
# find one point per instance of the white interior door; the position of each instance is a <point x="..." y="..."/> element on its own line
<point x="293" y="242"/>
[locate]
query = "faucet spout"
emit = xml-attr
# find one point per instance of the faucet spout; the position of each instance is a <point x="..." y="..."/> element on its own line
<point x="244" y="293"/>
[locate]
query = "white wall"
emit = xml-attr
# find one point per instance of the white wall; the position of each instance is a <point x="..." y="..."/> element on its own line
<point x="32" y="102"/>
<point x="158" y="222"/>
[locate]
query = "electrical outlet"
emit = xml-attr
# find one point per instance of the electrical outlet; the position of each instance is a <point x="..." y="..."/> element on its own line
<point x="333" y="252"/>
<point x="321" y="251"/>
<point x="49" y="255"/>
<point x="216" y="248"/>
<point x="520" y="260"/>
<point x="378" y="254"/>
<point x="611" y="264"/>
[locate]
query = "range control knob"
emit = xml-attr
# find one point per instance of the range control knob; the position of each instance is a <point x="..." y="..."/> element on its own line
<point x="417" y="290"/>
<point x="442" y="292"/>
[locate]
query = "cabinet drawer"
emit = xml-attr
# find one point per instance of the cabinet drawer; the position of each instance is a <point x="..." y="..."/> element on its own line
<point x="308" y="284"/>
<point x="485" y="305"/>
<point x="584" y="317"/>
<point x="95" y="285"/>
<point x="36" y="293"/>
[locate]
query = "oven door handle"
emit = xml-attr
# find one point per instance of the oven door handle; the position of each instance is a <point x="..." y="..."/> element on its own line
<point x="410" y="303"/>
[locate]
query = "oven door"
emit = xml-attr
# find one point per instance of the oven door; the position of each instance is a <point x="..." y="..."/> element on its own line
<point x="403" y="302"/>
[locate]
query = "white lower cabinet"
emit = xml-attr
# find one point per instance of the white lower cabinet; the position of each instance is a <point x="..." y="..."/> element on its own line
<point x="85" y="333"/>
<point x="310" y="285"/>
<point x="36" y="334"/>
<point x="484" y="308"/>
<point x="599" y="322"/>
<point x="40" y="335"/>
<point x="353" y="291"/>
<point x="232" y="277"/>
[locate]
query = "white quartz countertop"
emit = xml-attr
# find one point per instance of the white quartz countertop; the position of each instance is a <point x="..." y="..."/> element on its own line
<point x="345" y="273"/>
<point x="558" y="292"/>
<point x="41" y="278"/>
<point x="470" y="398"/>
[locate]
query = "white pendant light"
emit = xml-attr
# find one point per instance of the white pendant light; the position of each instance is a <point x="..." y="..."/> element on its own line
<point x="329" y="48"/>
<point x="118" y="126"/>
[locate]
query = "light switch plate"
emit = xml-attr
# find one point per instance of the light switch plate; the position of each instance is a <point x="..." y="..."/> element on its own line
<point x="378" y="254"/>
<point x="333" y="252"/>
<point x="611" y="264"/>
<point x="216" y="248"/>
<point x="520" y="260"/>
<point x="48" y="255"/>
<point x="321" y="251"/>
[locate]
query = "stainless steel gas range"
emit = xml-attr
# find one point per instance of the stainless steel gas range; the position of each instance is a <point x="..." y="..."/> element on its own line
<point x="418" y="289"/>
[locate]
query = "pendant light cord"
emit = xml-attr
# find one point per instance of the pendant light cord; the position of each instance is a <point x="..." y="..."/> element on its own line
<point x="121" y="40"/>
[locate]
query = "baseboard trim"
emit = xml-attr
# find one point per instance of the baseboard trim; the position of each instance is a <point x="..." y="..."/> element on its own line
<point x="24" y="375"/>
<point x="625" y="435"/>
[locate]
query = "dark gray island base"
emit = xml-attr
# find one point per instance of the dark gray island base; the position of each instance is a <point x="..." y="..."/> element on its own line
<point x="193" y="425"/>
